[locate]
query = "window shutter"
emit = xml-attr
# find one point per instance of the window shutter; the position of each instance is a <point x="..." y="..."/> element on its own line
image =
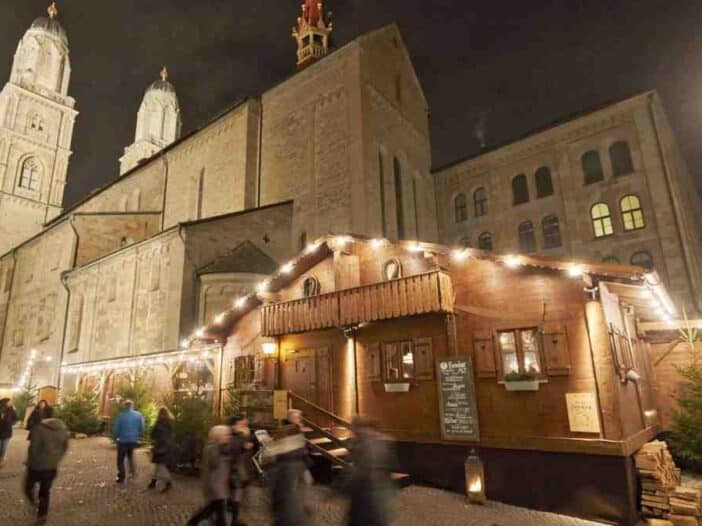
<point x="372" y="362"/>
<point x="555" y="345"/>
<point x="423" y="359"/>
<point x="484" y="349"/>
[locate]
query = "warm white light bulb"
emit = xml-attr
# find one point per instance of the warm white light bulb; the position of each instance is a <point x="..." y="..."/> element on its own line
<point x="262" y="287"/>
<point x="220" y="317"/>
<point x="377" y="243"/>
<point x="415" y="247"/>
<point x="512" y="261"/>
<point x="200" y="333"/>
<point x="287" y="268"/>
<point x="240" y="302"/>
<point x="575" y="271"/>
<point x="459" y="254"/>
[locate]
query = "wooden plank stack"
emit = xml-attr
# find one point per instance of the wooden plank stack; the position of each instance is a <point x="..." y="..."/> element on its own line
<point x="663" y="501"/>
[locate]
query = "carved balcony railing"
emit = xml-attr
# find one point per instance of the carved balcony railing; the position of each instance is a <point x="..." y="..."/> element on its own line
<point x="431" y="292"/>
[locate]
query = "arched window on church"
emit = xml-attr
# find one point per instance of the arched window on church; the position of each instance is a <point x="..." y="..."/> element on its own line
<point x="544" y="183"/>
<point x="480" y="202"/>
<point x="485" y="241"/>
<point x="460" y="207"/>
<point x="592" y="167"/>
<point x="520" y="190"/>
<point x="30" y="175"/>
<point x="551" y="231"/>
<point x="35" y="123"/>
<point x="620" y="156"/>
<point x="527" y="239"/>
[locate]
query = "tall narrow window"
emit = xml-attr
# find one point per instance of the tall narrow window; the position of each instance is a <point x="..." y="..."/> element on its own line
<point x="632" y="214"/>
<point x="480" y="202"/>
<point x="381" y="183"/>
<point x="460" y="207"/>
<point x="527" y="240"/>
<point x="302" y="242"/>
<point x="544" y="183"/>
<point x="399" y="205"/>
<point x="155" y="272"/>
<point x="30" y="176"/>
<point x="520" y="190"/>
<point x="601" y="220"/>
<point x="642" y="258"/>
<point x="592" y="167"/>
<point x="485" y="241"/>
<point x="620" y="156"/>
<point x="520" y="351"/>
<point x="415" y="207"/>
<point x="200" y="192"/>
<point x="551" y="231"/>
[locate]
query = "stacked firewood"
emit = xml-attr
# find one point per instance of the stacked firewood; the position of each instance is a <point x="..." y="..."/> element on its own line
<point x="663" y="501"/>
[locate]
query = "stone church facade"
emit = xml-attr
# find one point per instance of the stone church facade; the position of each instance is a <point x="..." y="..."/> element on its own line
<point x="192" y="222"/>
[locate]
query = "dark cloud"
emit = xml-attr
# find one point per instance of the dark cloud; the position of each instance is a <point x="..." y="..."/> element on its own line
<point x="519" y="64"/>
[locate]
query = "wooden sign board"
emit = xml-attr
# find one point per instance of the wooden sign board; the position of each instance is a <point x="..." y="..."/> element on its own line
<point x="583" y="413"/>
<point x="457" y="407"/>
<point x="280" y="404"/>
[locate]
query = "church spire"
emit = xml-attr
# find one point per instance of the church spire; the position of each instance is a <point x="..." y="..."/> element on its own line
<point x="312" y="33"/>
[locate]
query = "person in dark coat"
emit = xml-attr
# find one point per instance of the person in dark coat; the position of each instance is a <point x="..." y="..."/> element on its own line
<point x="370" y="486"/>
<point x="289" y="449"/>
<point x="36" y="416"/>
<point x="216" y="470"/>
<point x="163" y="445"/>
<point x="240" y="450"/>
<point x="47" y="447"/>
<point x="8" y="418"/>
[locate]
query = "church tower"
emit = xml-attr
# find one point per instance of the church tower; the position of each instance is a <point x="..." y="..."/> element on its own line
<point x="158" y="123"/>
<point x="312" y="33"/>
<point x="36" y="127"/>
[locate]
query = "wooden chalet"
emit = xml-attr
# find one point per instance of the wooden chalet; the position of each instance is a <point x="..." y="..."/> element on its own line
<point x="539" y="364"/>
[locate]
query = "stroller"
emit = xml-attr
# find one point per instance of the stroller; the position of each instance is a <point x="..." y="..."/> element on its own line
<point x="262" y="438"/>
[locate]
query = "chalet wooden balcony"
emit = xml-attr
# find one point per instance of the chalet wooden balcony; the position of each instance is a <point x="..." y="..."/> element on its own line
<point x="421" y="294"/>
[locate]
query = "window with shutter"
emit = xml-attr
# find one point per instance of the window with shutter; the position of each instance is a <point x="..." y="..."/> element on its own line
<point x="484" y="349"/>
<point x="555" y="345"/>
<point x="372" y="362"/>
<point x="423" y="359"/>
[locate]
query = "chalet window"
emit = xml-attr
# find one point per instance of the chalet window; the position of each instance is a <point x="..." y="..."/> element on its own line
<point x="592" y="167"/>
<point x="620" y="156"/>
<point x="551" y="231"/>
<point x="244" y="371"/>
<point x="480" y="202"/>
<point x="460" y="207"/>
<point x="519" y="350"/>
<point x="310" y="287"/>
<point x="30" y="175"/>
<point x="544" y="183"/>
<point x="520" y="190"/>
<point x="372" y="362"/>
<point x="527" y="240"/>
<point x="601" y="220"/>
<point x="392" y="269"/>
<point x="485" y="241"/>
<point x="398" y="361"/>
<point x="642" y="258"/>
<point x="632" y="214"/>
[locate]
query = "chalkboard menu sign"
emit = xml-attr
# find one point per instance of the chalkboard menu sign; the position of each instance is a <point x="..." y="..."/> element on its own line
<point x="459" y="413"/>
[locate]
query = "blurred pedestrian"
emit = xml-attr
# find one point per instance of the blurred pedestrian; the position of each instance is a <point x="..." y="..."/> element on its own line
<point x="370" y="486"/>
<point x="127" y="430"/>
<point x="36" y="416"/>
<point x="163" y="445"/>
<point x="216" y="469"/>
<point x="47" y="447"/>
<point x="240" y="449"/>
<point x="8" y="418"/>
<point x="289" y="450"/>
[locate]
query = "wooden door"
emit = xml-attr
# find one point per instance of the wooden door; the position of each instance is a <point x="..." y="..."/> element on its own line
<point x="300" y="374"/>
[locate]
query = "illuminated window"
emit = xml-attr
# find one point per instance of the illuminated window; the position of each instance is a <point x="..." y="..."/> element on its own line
<point x="460" y="207"/>
<point x="527" y="240"/>
<point x="520" y="190"/>
<point x="480" y="202"/>
<point x="642" y="258"/>
<point x="632" y="214"/>
<point x="592" y="167"/>
<point x="620" y="156"/>
<point x="398" y="361"/>
<point x="544" y="183"/>
<point x="551" y="232"/>
<point x="519" y="350"/>
<point x="601" y="220"/>
<point x="30" y="176"/>
<point x="485" y="241"/>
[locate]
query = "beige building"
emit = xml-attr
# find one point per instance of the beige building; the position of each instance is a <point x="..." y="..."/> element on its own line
<point x="609" y="185"/>
<point x="341" y="146"/>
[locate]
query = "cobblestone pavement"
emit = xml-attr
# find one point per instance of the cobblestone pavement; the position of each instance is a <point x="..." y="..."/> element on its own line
<point x="85" y="494"/>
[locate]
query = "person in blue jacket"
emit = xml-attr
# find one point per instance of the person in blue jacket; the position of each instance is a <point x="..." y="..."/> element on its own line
<point x="127" y="430"/>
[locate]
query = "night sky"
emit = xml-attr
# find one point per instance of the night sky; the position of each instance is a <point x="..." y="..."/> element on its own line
<point x="514" y="65"/>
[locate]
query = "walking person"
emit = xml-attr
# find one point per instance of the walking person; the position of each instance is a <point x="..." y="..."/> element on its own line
<point x="8" y="418"/>
<point x="162" y="450"/>
<point x="127" y="430"/>
<point x="36" y="416"/>
<point x="216" y="470"/>
<point x="370" y="486"/>
<point x="47" y="446"/>
<point x="240" y="450"/>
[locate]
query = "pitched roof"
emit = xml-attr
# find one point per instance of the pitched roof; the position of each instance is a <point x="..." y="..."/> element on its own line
<point x="245" y="257"/>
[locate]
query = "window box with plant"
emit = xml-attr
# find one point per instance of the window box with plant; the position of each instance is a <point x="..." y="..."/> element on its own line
<point x="515" y="381"/>
<point x="405" y="363"/>
<point x="521" y="359"/>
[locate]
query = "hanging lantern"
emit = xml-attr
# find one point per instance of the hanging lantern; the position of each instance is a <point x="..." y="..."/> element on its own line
<point x="475" y="478"/>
